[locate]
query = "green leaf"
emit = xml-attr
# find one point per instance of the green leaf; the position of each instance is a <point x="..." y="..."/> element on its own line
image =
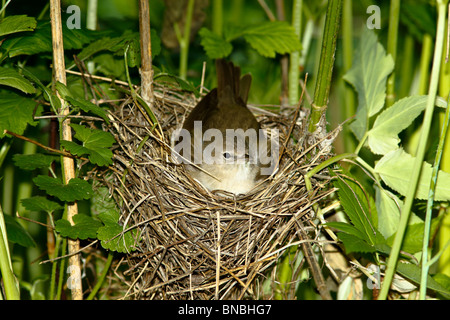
<point x="38" y="204"/>
<point x="395" y="168"/>
<point x="10" y="77"/>
<point x="413" y="272"/>
<point x="85" y="227"/>
<point x="215" y="46"/>
<point x="388" y="209"/>
<point x="83" y="104"/>
<point x="272" y="37"/>
<point x="40" y="40"/>
<point x="368" y="75"/>
<point x="13" y="24"/>
<point x="17" y="233"/>
<point x="33" y="161"/>
<point x="95" y="144"/>
<point x="355" y="244"/>
<point x="111" y="234"/>
<point x="76" y="189"/>
<point x="383" y="137"/>
<point x="16" y="113"/>
<point x="413" y="239"/>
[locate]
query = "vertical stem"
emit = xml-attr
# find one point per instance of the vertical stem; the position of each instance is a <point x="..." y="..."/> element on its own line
<point x="394" y="16"/>
<point x="184" y="43"/>
<point x="294" y="71"/>
<point x="91" y="24"/>
<point x="327" y="55"/>
<point x="6" y="270"/>
<point x="146" y="53"/>
<point x="412" y="186"/>
<point x="66" y="134"/>
<point x="427" y="226"/>
<point x="217" y="26"/>
<point x="284" y="60"/>
<point x="348" y="109"/>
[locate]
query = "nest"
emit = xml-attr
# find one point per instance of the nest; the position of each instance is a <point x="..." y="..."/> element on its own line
<point x="193" y="244"/>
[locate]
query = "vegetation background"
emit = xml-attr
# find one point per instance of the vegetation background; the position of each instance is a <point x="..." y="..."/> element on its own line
<point x="406" y="31"/>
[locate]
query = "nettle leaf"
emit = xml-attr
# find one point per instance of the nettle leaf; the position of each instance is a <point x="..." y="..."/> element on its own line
<point x="76" y="189"/>
<point x="13" y="24"/>
<point x="38" y="204"/>
<point x="111" y="234"/>
<point x="396" y="168"/>
<point x="413" y="272"/>
<point x="34" y="161"/>
<point x="95" y="144"/>
<point x="83" y="104"/>
<point x="362" y="227"/>
<point x="16" y="113"/>
<point x="85" y="227"/>
<point x="215" y="46"/>
<point x="17" y="233"/>
<point x="368" y="75"/>
<point x="413" y="238"/>
<point x="40" y="40"/>
<point x="383" y="137"/>
<point x="388" y="209"/>
<point x="10" y="77"/>
<point x="272" y="37"/>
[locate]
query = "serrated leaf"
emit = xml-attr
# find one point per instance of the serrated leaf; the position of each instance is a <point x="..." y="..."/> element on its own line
<point x="215" y="46"/>
<point x="38" y="204"/>
<point x="272" y="37"/>
<point x="76" y="189"/>
<point x="16" y="233"/>
<point x="87" y="107"/>
<point x="396" y="167"/>
<point x="10" y="77"/>
<point x="85" y="227"/>
<point x="111" y="234"/>
<point x="413" y="272"/>
<point x="368" y="75"/>
<point x="19" y="23"/>
<point x="354" y="244"/>
<point x="388" y="209"/>
<point x="383" y="137"/>
<point x="40" y="40"/>
<point x="95" y="144"/>
<point x="16" y="113"/>
<point x="33" y="161"/>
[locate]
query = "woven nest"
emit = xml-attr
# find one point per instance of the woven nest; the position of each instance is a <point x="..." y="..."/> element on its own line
<point x="193" y="244"/>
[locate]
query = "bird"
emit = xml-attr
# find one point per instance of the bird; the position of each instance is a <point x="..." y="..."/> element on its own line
<point x="225" y="135"/>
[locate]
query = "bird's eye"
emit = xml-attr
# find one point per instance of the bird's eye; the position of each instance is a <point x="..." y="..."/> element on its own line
<point x="226" y="155"/>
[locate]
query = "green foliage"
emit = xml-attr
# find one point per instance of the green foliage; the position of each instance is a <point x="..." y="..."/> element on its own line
<point x="17" y="233"/>
<point x="96" y="144"/>
<point x="361" y="234"/>
<point x="13" y="24"/>
<point x="371" y="67"/>
<point x="76" y="189"/>
<point x="268" y="39"/>
<point x="33" y="161"/>
<point x="395" y="169"/>
<point x="12" y="78"/>
<point x="39" y="203"/>
<point x="16" y="113"/>
<point x="84" y="227"/>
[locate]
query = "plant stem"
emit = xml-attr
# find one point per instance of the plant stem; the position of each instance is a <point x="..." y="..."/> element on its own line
<point x="6" y="271"/>
<point x="427" y="226"/>
<point x="185" y="40"/>
<point x="394" y="16"/>
<point x="146" y="53"/>
<point x="294" y="71"/>
<point x="217" y="24"/>
<point x="412" y="186"/>
<point x="348" y="109"/>
<point x="323" y="84"/>
<point x="68" y="164"/>
<point x="100" y="281"/>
